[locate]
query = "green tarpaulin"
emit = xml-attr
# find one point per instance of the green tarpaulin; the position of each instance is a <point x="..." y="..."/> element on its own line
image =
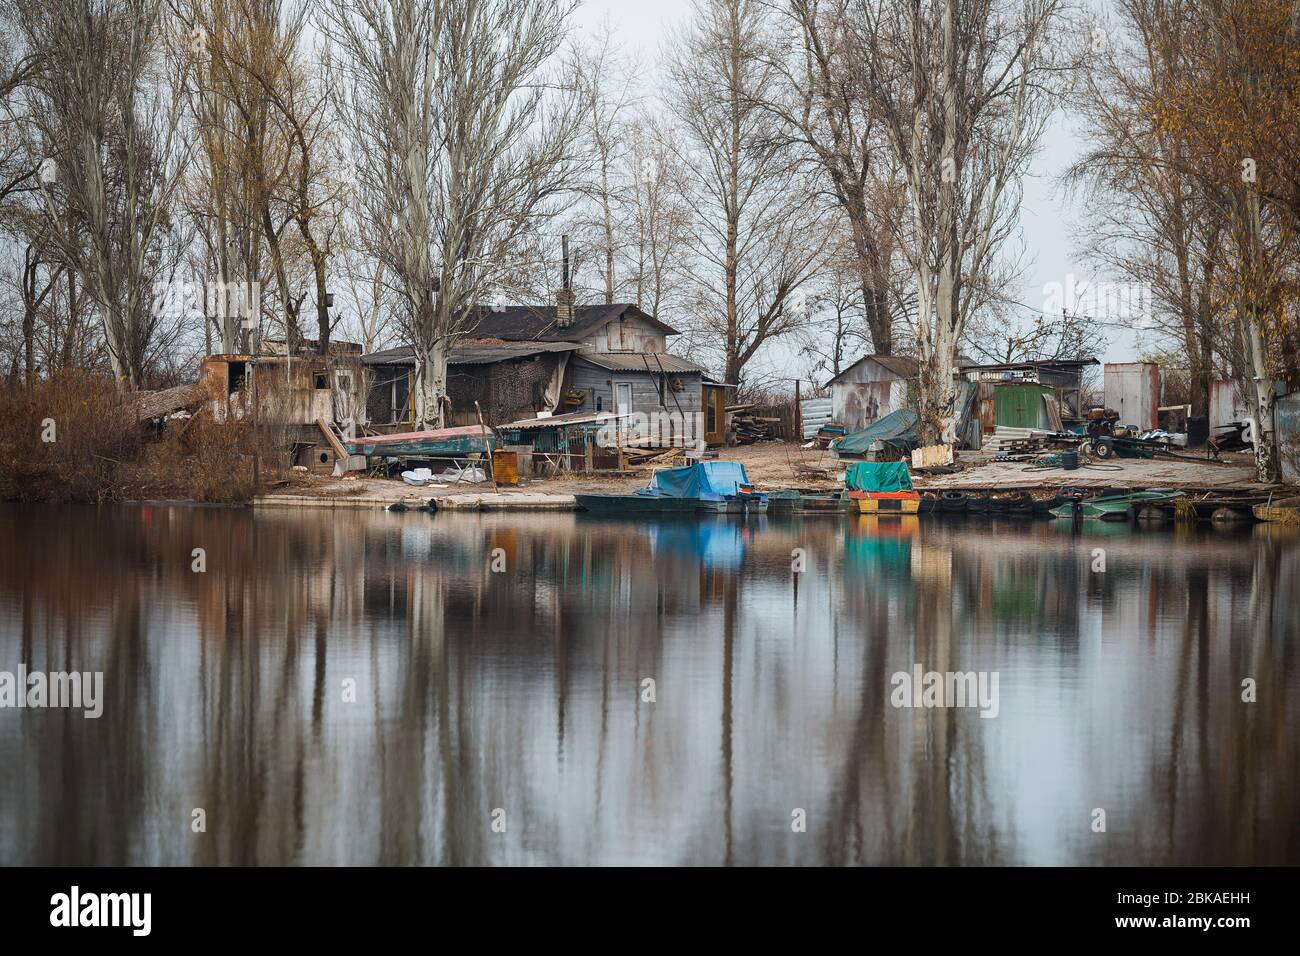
<point x="878" y="476"/>
<point x="897" y="430"/>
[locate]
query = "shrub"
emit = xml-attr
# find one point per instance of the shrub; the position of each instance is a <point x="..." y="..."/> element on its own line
<point x="101" y="453"/>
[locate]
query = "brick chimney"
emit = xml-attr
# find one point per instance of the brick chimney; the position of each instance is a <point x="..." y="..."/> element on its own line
<point x="564" y="295"/>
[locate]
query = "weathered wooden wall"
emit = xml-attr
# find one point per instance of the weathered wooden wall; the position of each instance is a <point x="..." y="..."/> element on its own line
<point x="598" y="384"/>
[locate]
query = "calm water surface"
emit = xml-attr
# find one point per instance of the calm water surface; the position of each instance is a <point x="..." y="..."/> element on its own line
<point x="522" y="690"/>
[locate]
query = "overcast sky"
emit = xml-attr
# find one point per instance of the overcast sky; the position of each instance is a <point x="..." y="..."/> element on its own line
<point x="1047" y="218"/>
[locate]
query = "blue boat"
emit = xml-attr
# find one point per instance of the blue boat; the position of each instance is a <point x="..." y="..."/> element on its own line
<point x="711" y="486"/>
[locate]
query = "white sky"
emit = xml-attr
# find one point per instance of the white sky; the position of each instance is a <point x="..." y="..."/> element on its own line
<point x="1047" y="219"/>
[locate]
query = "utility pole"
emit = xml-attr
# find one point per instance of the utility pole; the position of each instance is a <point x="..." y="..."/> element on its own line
<point x="798" y="414"/>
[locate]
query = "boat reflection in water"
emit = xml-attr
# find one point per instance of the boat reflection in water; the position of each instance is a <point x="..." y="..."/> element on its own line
<point x="525" y="688"/>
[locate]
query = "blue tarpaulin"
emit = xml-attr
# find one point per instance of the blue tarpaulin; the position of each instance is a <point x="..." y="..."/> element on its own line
<point x="878" y="476"/>
<point x="707" y="481"/>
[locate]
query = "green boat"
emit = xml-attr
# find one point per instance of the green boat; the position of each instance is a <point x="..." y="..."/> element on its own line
<point x="1114" y="507"/>
<point x="801" y="503"/>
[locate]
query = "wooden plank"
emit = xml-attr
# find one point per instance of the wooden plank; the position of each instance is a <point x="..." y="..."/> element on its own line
<point x="335" y="444"/>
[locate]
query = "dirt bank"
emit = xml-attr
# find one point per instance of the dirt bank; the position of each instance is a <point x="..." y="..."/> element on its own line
<point x="777" y="465"/>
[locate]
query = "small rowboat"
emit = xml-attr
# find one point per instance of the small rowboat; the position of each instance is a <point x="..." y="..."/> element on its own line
<point x="1283" y="511"/>
<point x="636" y="504"/>
<point x="1114" y="507"/>
<point x="720" y="487"/>
<point x="743" y="503"/>
<point x="798" y="503"/>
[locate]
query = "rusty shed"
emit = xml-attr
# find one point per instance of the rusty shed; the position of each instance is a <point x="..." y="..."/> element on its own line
<point x="1228" y="404"/>
<point x="870" y="388"/>
<point x="509" y="380"/>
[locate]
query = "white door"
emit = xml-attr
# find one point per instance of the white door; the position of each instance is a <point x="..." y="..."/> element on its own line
<point x="623" y="406"/>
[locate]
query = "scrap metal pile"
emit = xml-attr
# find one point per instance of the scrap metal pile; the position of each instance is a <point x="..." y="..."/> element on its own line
<point x="1102" y="439"/>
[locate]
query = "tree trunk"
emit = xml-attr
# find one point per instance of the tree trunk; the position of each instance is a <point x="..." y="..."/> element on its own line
<point x="430" y="384"/>
<point x="322" y="306"/>
<point x="1262" y="434"/>
<point x="875" y="292"/>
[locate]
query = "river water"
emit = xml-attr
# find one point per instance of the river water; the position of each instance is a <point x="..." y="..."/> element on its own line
<point x="370" y="688"/>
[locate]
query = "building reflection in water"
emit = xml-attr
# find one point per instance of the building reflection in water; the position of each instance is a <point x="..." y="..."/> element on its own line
<point x="522" y="689"/>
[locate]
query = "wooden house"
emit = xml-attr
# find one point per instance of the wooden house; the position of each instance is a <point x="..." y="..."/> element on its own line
<point x="518" y="361"/>
<point x="292" y="391"/>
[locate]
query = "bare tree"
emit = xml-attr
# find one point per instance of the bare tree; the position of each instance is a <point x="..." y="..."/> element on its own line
<point x="657" y="218"/>
<point x="1152" y="221"/>
<point x="962" y="89"/>
<point x="836" y="336"/>
<point x="105" y="104"/>
<point x="1233" y="111"/>
<point x="604" y="80"/>
<point x="756" y="237"/>
<point x="824" y="111"/>
<point x="460" y="145"/>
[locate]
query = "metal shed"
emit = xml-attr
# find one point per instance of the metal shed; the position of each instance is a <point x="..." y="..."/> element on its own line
<point x="872" y="387"/>
<point x="1020" y="405"/>
<point x="1133" y="390"/>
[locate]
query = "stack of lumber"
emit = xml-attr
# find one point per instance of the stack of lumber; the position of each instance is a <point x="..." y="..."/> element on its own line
<point x="750" y="427"/>
<point x="1008" y="439"/>
<point x="639" y="456"/>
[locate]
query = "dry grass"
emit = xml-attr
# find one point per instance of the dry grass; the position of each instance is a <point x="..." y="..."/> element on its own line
<point x="99" y="452"/>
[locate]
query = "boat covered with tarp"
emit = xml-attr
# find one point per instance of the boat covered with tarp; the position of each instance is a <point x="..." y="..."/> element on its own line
<point x="898" y="433"/>
<point x="702" y="486"/>
<point x="881" y="487"/>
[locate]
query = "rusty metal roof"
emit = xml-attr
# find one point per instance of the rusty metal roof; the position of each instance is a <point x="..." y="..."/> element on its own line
<point x="473" y="354"/>
<point x="903" y="366"/>
<point x="537" y="322"/>
<point x="558" y="421"/>
<point x="641" y="362"/>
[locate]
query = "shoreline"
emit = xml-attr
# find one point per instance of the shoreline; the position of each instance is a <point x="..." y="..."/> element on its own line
<point x="771" y="467"/>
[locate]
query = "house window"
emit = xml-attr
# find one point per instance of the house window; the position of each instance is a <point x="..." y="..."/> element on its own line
<point x="322" y="380"/>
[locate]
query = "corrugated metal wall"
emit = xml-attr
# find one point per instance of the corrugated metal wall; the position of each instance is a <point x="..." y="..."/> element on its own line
<point x="1226" y="405"/>
<point x="1021" y="405"/>
<point x="1286" y="417"/>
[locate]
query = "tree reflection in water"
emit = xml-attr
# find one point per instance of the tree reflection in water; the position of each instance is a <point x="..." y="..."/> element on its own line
<point x="521" y="690"/>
